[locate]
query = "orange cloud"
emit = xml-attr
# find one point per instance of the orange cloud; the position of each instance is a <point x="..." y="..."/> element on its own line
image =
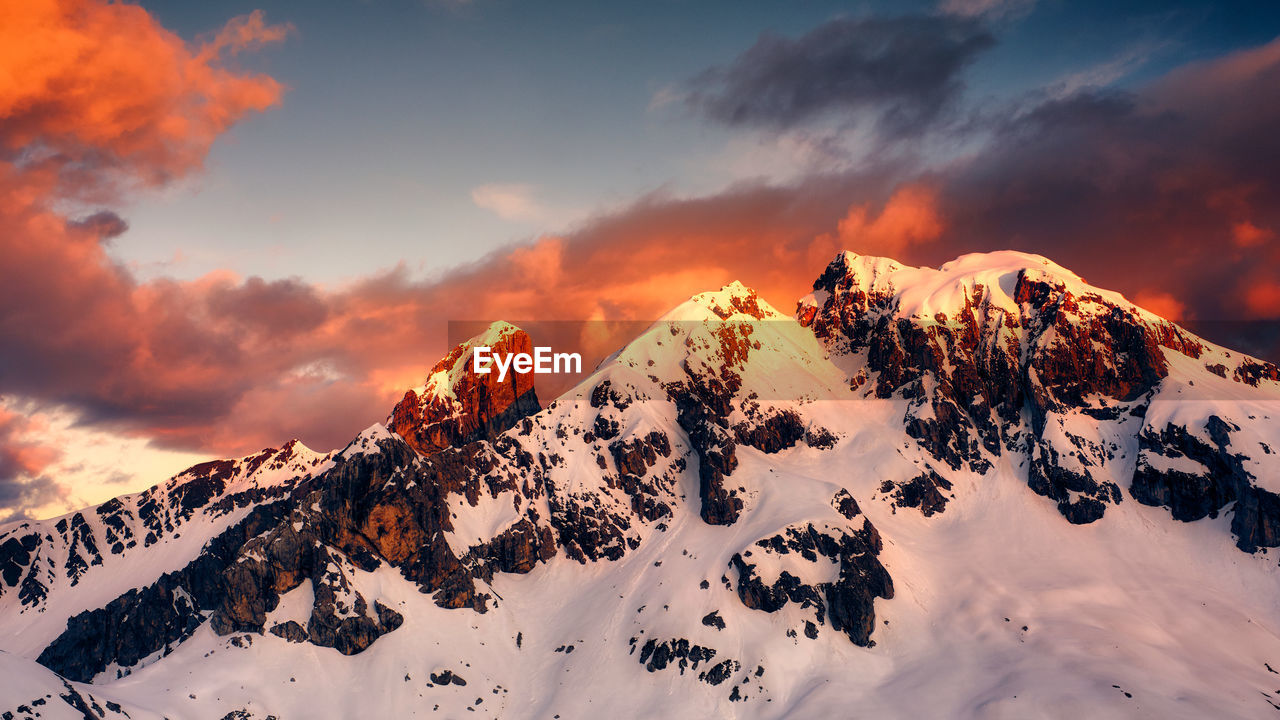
<point x="1161" y="303"/>
<point x="247" y="32"/>
<point x="911" y="217"/>
<point x="23" y="455"/>
<point x="23" y="460"/>
<point x="97" y="98"/>
<point x="1263" y="299"/>
<point x="104" y="85"/>
<point x="543" y="260"/>
<point x="1246" y="234"/>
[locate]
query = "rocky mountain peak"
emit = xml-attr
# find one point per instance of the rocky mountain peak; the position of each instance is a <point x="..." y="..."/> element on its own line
<point x="456" y="405"/>
<point x="734" y="301"/>
<point x="996" y="278"/>
<point x="1008" y="354"/>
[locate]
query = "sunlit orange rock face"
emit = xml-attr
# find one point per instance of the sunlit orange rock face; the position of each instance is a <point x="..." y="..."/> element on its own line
<point x="457" y="405"/>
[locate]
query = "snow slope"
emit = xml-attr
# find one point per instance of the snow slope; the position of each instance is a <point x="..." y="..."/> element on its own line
<point x="53" y="569"/>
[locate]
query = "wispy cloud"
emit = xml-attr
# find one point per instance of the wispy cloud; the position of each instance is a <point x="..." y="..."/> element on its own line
<point x="520" y="203"/>
<point x="509" y="201"/>
<point x="1109" y="72"/>
<point x="991" y="9"/>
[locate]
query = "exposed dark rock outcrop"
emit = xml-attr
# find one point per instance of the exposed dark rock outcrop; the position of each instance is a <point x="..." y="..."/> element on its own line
<point x="291" y="631"/>
<point x="656" y="655"/>
<point x="1196" y="477"/>
<point x="772" y="433"/>
<point x="448" y="677"/>
<point x="633" y="460"/>
<point x="847" y="602"/>
<point x="155" y="618"/>
<point x="844" y="504"/>
<point x="702" y="412"/>
<point x="924" y="492"/>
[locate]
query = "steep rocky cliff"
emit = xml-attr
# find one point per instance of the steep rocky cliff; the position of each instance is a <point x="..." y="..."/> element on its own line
<point x="456" y="406"/>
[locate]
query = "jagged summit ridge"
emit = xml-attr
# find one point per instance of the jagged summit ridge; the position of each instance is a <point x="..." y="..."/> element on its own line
<point x="1009" y="355"/>
<point x="924" y="292"/>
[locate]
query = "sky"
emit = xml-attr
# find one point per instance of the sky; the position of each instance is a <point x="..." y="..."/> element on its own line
<point x="231" y="224"/>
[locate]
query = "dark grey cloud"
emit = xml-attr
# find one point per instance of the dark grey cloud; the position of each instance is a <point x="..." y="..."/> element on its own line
<point x="105" y="224"/>
<point x="906" y="71"/>
<point x="281" y="308"/>
<point x="18" y="497"/>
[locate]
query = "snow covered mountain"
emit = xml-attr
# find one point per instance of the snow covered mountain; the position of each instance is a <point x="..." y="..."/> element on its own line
<point x="53" y="569"/>
<point x="984" y="490"/>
